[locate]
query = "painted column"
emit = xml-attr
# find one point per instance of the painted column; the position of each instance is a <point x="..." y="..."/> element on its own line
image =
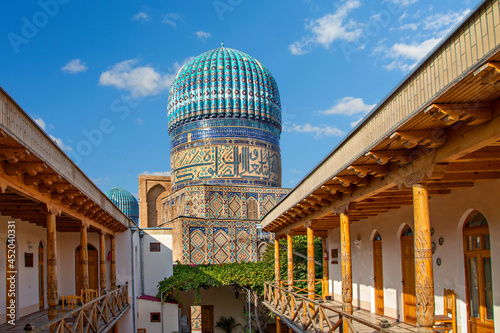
<point x="195" y="319"/>
<point x="346" y="263"/>
<point x="325" y="269"/>
<point x="52" y="299"/>
<point x="311" y="274"/>
<point x="290" y="261"/>
<point x="102" y="261"/>
<point x="112" y="270"/>
<point x="424" y="278"/>
<point x="84" y="259"/>
<point x="277" y="279"/>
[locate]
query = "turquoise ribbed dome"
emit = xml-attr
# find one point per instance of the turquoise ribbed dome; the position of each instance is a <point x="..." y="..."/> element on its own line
<point x="124" y="200"/>
<point x="224" y="83"/>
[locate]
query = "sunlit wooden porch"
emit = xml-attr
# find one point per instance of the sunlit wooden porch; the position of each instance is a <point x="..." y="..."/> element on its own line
<point x="98" y="315"/>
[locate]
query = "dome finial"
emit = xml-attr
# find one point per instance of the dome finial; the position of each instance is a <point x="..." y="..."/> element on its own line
<point x="222" y="44"/>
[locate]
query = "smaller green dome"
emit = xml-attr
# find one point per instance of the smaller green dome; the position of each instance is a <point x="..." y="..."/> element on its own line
<point x="125" y="201"/>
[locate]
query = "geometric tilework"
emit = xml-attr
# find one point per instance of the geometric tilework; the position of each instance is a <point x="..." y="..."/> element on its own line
<point x="243" y="245"/>
<point x="220" y="202"/>
<point x="217" y="204"/>
<point x="203" y="241"/>
<point x="195" y="319"/>
<point x="198" y="245"/>
<point x="234" y="204"/>
<point x="222" y="245"/>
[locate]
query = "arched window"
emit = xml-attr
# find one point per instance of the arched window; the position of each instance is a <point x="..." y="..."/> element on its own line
<point x="252" y="209"/>
<point x="478" y="273"/>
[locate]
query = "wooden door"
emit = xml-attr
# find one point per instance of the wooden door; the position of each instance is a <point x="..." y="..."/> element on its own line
<point x="478" y="275"/>
<point x="207" y="318"/>
<point x="41" y="285"/>
<point x="93" y="269"/>
<point x="408" y="267"/>
<point x="378" y="275"/>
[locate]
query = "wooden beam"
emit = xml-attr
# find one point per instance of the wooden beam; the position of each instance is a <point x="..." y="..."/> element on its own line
<point x="363" y="170"/>
<point x="347" y="181"/>
<point x="345" y="244"/>
<point x="13" y="155"/>
<point x="311" y="272"/>
<point x="401" y="157"/>
<point x="428" y="138"/>
<point x="470" y="113"/>
<point x="18" y="169"/>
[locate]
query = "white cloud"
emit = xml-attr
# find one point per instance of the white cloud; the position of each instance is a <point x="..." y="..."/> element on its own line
<point x="40" y="123"/>
<point x="403" y="3"/>
<point x="140" y="121"/>
<point x="409" y="26"/>
<point x="142" y="17"/>
<point x="58" y="141"/>
<point x="202" y="35"/>
<point x="318" y="131"/>
<point x="156" y="173"/>
<point x="75" y="66"/>
<point x="100" y="180"/>
<point x="329" y="28"/>
<point x="140" y="81"/>
<point x="354" y="123"/>
<point x="349" y="106"/>
<point x="172" y="19"/>
<point x="438" y="22"/>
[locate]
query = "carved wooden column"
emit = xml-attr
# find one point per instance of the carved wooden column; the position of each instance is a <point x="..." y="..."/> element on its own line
<point x="277" y="279"/>
<point x="424" y="278"/>
<point x="290" y="261"/>
<point x="52" y="299"/>
<point x="311" y="274"/>
<point x="102" y="261"/>
<point x="84" y="259"/>
<point x="112" y="270"/>
<point x="325" y="270"/>
<point x="346" y="263"/>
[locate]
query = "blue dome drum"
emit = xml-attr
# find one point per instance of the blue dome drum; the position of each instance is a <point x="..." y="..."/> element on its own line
<point x="125" y="201"/>
<point x="224" y="121"/>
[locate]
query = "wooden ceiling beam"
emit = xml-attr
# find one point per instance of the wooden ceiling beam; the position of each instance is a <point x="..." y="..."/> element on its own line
<point x="427" y="138"/>
<point x="401" y="157"/>
<point x="13" y="155"/>
<point x="470" y="113"/>
<point x="363" y="170"/>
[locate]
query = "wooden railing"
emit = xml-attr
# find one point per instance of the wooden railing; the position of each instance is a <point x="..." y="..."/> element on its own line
<point x="302" y="314"/>
<point x="296" y="287"/>
<point x="96" y="316"/>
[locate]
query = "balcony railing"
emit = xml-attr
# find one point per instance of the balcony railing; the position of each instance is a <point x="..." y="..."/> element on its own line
<point x="302" y="314"/>
<point x="96" y="316"/>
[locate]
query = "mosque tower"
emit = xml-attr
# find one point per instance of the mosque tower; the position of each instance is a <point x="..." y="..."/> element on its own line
<point x="224" y="121"/>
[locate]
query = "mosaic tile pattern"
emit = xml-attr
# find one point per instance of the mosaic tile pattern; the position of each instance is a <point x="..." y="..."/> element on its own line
<point x="223" y="83"/>
<point x="197" y="243"/>
<point x="216" y="241"/>
<point x="223" y="163"/>
<point x="222" y="245"/>
<point x="196" y="323"/>
<point x="243" y="245"/>
<point x="200" y="201"/>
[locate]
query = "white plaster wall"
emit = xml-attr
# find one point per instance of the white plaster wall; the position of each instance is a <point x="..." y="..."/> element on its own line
<point x="124" y="250"/>
<point x="224" y="302"/>
<point x="157" y="265"/>
<point x="27" y="277"/>
<point x="448" y="214"/>
<point x="170" y="316"/>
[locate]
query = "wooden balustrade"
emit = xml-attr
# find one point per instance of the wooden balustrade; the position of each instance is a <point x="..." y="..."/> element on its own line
<point x="96" y="316"/>
<point x="298" y="289"/>
<point x="301" y="313"/>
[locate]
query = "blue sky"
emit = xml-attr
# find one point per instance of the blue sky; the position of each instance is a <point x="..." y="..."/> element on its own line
<point x="95" y="74"/>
